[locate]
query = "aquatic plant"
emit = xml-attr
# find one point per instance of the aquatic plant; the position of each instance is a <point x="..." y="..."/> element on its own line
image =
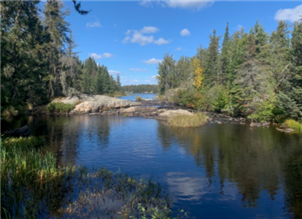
<point x="195" y="120"/>
<point x="60" y="107"/>
<point x="296" y="126"/>
<point x="33" y="186"/>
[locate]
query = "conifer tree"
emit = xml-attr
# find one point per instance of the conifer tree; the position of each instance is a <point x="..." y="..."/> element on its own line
<point x="212" y="68"/>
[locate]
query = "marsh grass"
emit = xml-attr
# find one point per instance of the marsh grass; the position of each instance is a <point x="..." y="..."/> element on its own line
<point x="60" y="107"/>
<point x="296" y="126"/>
<point x="195" y="120"/>
<point x="138" y="98"/>
<point x="32" y="186"/>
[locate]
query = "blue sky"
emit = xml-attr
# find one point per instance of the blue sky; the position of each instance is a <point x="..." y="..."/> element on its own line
<point x="131" y="37"/>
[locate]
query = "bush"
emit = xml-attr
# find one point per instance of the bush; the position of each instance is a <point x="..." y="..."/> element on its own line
<point x="138" y="98"/>
<point x="296" y="126"/>
<point x="60" y="107"/>
<point x="264" y="111"/>
<point x="195" y="120"/>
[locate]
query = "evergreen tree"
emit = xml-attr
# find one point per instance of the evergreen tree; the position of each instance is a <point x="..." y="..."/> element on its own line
<point x="225" y="54"/>
<point x="212" y="67"/>
<point x="118" y="83"/>
<point x="58" y="29"/>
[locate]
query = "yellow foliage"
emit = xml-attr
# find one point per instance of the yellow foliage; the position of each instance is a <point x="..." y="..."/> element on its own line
<point x="198" y="74"/>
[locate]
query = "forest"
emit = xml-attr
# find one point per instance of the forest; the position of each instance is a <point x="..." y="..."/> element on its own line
<point x="255" y="74"/>
<point x="141" y="88"/>
<point x="39" y="60"/>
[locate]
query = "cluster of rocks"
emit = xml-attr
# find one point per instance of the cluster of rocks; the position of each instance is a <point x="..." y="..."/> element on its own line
<point x="213" y="118"/>
<point x="144" y="111"/>
<point x="156" y="109"/>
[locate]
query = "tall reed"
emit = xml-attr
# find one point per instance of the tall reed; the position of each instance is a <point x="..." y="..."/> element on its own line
<point x="195" y="120"/>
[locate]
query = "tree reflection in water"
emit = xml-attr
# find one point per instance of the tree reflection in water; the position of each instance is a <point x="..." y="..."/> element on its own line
<point x="256" y="160"/>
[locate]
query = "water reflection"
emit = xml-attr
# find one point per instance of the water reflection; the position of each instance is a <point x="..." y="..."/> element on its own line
<point x="229" y="170"/>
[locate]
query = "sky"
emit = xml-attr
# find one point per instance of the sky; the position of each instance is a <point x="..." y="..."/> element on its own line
<point x="131" y="37"/>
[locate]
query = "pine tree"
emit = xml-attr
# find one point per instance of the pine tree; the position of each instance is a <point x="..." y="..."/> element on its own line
<point x="58" y="29"/>
<point x="118" y="83"/>
<point x="212" y="68"/>
<point x="225" y="54"/>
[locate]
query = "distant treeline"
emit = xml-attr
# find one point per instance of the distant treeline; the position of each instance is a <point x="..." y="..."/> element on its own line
<point x="141" y="88"/>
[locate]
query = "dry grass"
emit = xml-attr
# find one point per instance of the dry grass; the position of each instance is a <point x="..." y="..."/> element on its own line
<point x="138" y="98"/>
<point x="195" y="120"/>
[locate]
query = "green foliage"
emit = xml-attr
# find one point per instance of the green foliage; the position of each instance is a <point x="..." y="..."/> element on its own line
<point x="195" y="120"/>
<point x="296" y="126"/>
<point x="221" y="100"/>
<point x="141" y="88"/>
<point x="60" y="107"/>
<point x="184" y="97"/>
<point x="288" y="106"/>
<point x="264" y="111"/>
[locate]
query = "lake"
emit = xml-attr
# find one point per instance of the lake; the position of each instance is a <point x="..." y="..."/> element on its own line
<point x="132" y="96"/>
<point x="214" y="171"/>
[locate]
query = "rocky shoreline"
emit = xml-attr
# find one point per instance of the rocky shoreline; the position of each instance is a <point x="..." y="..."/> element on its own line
<point x="151" y="109"/>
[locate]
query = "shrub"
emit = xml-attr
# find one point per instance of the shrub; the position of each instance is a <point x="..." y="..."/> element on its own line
<point x="263" y="111"/>
<point x="126" y="114"/>
<point x="195" y="120"/>
<point x="138" y="98"/>
<point x="60" y="107"/>
<point x="296" y="126"/>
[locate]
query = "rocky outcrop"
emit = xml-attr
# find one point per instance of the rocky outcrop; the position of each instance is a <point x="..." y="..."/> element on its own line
<point x="95" y="103"/>
<point x="286" y="130"/>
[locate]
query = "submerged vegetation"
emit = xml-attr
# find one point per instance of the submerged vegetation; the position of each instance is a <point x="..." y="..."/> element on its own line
<point x="60" y="107"/>
<point x="195" y="120"/>
<point x="32" y="186"/>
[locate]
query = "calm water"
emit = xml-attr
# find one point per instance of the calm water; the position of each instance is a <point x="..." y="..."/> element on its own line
<point x="132" y="96"/>
<point x="215" y="171"/>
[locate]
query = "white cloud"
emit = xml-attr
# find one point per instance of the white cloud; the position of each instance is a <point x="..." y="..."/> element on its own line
<point x="161" y="41"/>
<point x="107" y="55"/>
<point x="152" y="61"/>
<point x="146" y="3"/>
<point x="104" y="55"/>
<point x="137" y="69"/>
<point x="185" y="32"/>
<point x="113" y="72"/>
<point x="289" y="14"/>
<point x="178" y="49"/>
<point x="94" y="24"/>
<point x="185" y="4"/>
<point x="154" y="77"/>
<point x="140" y="37"/>
<point x="149" y="29"/>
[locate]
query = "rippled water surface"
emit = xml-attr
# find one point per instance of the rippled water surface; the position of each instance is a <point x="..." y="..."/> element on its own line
<point x="215" y="171"/>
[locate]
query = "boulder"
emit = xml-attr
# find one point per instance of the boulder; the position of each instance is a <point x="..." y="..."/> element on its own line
<point x="94" y="103"/>
<point x="170" y="113"/>
<point x="21" y="132"/>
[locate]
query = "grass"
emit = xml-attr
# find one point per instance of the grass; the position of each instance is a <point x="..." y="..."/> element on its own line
<point x="138" y="98"/>
<point x="60" y="107"/>
<point x="296" y="126"/>
<point x="33" y="186"/>
<point x="195" y="120"/>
